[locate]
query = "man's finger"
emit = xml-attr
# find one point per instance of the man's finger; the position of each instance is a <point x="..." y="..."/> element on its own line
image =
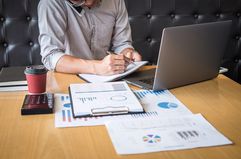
<point x="129" y="55"/>
<point x="120" y="62"/>
<point x="119" y="57"/>
<point x="119" y="68"/>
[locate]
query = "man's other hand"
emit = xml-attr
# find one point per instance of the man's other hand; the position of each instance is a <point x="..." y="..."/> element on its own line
<point x="131" y="54"/>
<point x="111" y="64"/>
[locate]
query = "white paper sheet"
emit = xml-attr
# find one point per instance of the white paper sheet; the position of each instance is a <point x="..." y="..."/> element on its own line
<point x="162" y="102"/>
<point x="104" y="98"/>
<point x="64" y="117"/>
<point x="174" y="133"/>
<point x="150" y="100"/>
<point x="100" y="79"/>
<point x="13" y="88"/>
<point x="14" y="83"/>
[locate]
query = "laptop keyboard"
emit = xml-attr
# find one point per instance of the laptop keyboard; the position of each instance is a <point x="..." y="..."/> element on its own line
<point x="149" y="81"/>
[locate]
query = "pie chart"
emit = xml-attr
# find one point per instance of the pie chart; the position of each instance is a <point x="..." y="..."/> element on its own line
<point x="150" y="138"/>
<point x="167" y="105"/>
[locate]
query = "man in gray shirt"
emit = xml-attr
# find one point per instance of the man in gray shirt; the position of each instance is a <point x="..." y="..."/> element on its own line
<point x="76" y="34"/>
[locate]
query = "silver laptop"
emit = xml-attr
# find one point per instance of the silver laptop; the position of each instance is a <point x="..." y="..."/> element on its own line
<point x="188" y="54"/>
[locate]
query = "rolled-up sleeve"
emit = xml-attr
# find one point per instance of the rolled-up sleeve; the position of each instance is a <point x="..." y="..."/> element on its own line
<point x="52" y="27"/>
<point x="122" y="32"/>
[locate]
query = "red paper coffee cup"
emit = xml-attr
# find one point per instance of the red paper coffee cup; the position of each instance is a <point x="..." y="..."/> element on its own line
<point x="36" y="79"/>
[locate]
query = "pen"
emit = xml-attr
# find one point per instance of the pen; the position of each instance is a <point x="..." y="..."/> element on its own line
<point x="126" y="58"/>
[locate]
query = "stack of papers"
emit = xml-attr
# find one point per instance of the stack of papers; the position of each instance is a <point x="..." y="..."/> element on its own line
<point x="167" y="124"/>
<point x="155" y="103"/>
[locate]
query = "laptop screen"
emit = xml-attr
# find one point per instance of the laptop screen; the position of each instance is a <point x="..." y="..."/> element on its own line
<point x="188" y="54"/>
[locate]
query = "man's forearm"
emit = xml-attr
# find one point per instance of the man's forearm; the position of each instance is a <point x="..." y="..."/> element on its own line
<point x="70" y="64"/>
<point x="111" y="64"/>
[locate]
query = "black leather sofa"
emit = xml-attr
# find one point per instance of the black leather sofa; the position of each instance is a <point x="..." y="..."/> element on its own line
<point x="19" y="30"/>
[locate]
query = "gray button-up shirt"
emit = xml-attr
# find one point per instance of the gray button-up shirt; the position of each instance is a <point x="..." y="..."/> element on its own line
<point x="87" y="35"/>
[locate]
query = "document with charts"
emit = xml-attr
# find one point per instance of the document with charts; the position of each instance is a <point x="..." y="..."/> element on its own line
<point x="98" y="99"/>
<point x="64" y="117"/>
<point x="172" y="133"/>
<point x="100" y="79"/>
<point x="155" y="103"/>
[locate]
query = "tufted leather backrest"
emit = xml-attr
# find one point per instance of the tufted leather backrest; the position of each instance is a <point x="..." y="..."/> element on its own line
<point x="149" y="17"/>
<point x="19" y="33"/>
<point x="19" y="29"/>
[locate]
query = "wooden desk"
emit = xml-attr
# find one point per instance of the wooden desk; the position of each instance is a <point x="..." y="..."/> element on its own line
<point x="219" y="100"/>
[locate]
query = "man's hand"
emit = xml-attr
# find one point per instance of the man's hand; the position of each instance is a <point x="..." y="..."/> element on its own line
<point x="131" y="54"/>
<point x="111" y="64"/>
